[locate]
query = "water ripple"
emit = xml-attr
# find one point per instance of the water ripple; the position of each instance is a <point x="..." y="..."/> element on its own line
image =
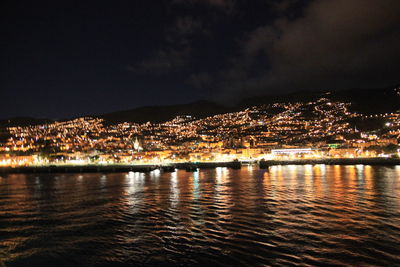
<point x="287" y="216"/>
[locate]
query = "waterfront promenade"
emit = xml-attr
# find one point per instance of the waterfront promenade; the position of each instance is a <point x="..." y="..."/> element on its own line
<point x="193" y="166"/>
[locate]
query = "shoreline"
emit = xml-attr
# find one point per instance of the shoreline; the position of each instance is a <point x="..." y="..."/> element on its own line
<point x="191" y="166"/>
<point x="335" y="161"/>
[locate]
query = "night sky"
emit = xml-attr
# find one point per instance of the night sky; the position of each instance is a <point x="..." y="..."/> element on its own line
<point x="62" y="59"/>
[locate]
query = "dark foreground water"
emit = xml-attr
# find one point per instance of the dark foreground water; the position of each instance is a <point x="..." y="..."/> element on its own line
<point x="289" y="215"/>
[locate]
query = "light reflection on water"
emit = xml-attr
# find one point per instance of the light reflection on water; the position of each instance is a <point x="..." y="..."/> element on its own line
<point x="302" y="215"/>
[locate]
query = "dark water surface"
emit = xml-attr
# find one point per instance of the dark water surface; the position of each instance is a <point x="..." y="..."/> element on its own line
<point x="289" y="215"/>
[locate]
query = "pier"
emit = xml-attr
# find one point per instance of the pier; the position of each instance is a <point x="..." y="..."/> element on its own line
<point x="332" y="161"/>
<point x="194" y="166"/>
<point x="188" y="166"/>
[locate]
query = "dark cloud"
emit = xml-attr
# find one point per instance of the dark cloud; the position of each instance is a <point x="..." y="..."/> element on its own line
<point x="164" y="61"/>
<point x="185" y="50"/>
<point x="225" y="4"/>
<point x="183" y="30"/>
<point x="200" y="80"/>
<point x="177" y="49"/>
<point x="187" y="25"/>
<point x="334" y="44"/>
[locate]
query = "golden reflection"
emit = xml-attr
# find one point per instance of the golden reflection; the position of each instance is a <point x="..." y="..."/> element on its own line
<point x="342" y="186"/>
<point x="317" y="181"/>
<point x="336" y="179"/>
<point x="351" y="171"/>
<point x="186" y="191"/>
<point x="368" y="178"/>
<point x="266" y="174"/>
<point x="397" y="181"/>
<point x="221" y="174"/>
<point x="196" y="185"/>
<point x="369" y="193"/>
<point x="103" y="180"/>
<point x="174" y="189"/>
<point x="250" y="168"/>
<point x="344" y="191"/>
<point x="267" y="180"/>
<point x="20" y="201"/>
<point x="317" y="170"/>
<point x="345" y="184"/>
<point x="279" y="176"/>
<point x="223" y="194"/>
<point x="135" y="183"/>
<point x="80" y="178"/>
<point x="272" y="177"/>
<point x="359" y="197"/>
<point x="360" y="171"/>
<point x="292" y="174"/>
<point x="308" y="175"/>
<point x="352" y="179"/>
<point x="155" y="174"/>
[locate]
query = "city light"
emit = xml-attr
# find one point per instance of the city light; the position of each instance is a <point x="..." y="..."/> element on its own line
<point x="310" y="130"/>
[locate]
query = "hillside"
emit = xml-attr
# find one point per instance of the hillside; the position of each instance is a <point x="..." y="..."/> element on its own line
<point x="366" y="101"/>
<point x="157" y="114"/>
<point x="22" y="121"/>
